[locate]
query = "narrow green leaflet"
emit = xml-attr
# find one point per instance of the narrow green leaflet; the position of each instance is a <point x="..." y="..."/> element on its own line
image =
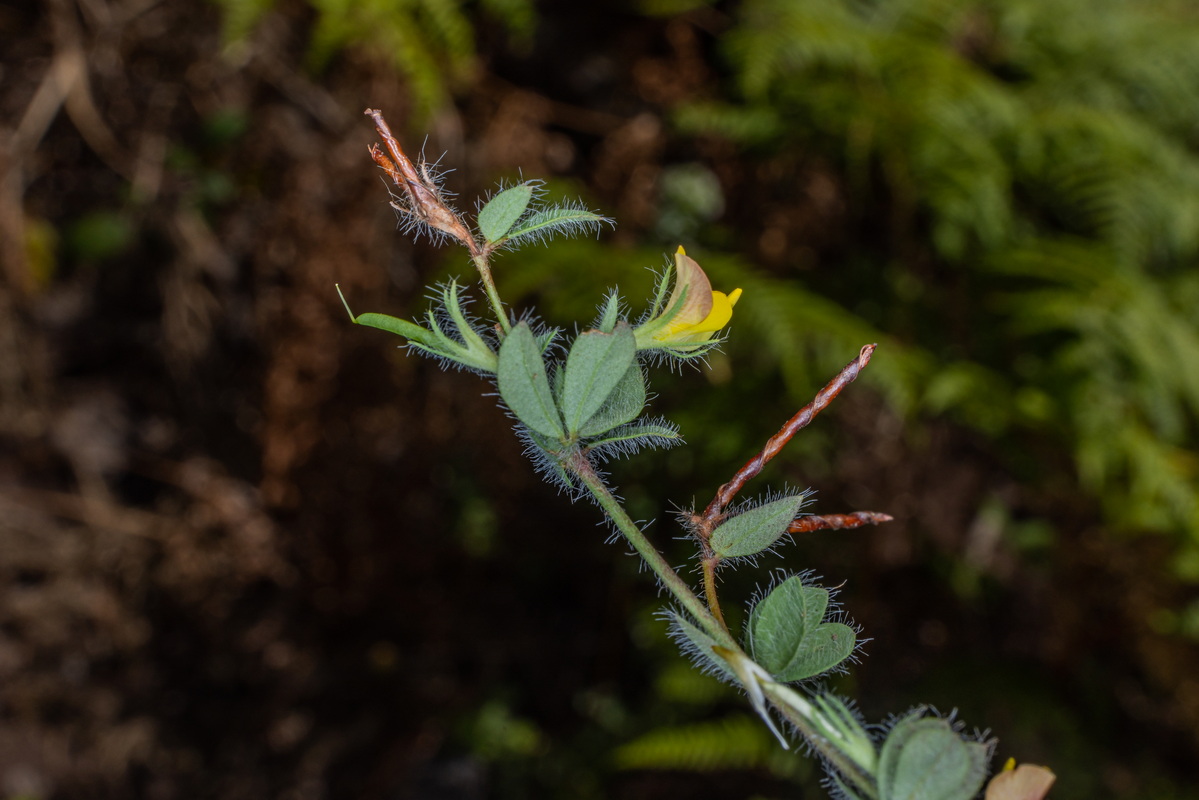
<point x="501" y="212"/>
<point x="610" y="312"/>
<point x="400" y="327"/>
<point x="471" y="351"/>
<point x="856" y="741"/>
<point x="546" y="340"/>
<point x="755" y="530"/>
<point x="451" y="296"/>
<point x="565" y="219"/>
<point x="631" y="438"/>
<point x="924" y="758"/>
<point x="623" y="404"/>
<point x="597" y="363"/>
<point x="787" y="637"/>
<point x="699" y="645"/>
<point x="523" y="383"/>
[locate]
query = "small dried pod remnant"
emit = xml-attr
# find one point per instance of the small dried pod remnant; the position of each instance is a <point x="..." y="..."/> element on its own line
<point x="578" y="402"/>
<point x="421" y="195"/>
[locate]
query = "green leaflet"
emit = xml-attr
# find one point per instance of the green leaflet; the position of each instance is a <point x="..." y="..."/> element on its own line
<point x="787" y="637"/>
<point x="400" y="327"/>
<point x="623" y="405"/>
<point x="639" y="434"/>
<point x="610" y="312"/>
<point x="701" y="645"/>
<point x="597" y="363"/>
<point x="502" y="211"/>
<point x="856" y="741"/>
<point x="523" y="383"/>
<point x="472" y="351"/>
<point x="566" y="219"/>
<point x="924" y="758"/>
<point x="757" y="529"/>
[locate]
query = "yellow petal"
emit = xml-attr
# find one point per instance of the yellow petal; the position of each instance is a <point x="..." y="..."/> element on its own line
<point x="719" y="316"/>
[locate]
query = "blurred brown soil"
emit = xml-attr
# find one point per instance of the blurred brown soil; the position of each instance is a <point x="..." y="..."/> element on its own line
<point x="236" y="553"/>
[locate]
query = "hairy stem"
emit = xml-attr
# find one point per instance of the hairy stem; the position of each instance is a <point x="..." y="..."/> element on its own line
<point x="809" y="722"/>
<point x="666" y="574"/>
<point x="493" y="296"/>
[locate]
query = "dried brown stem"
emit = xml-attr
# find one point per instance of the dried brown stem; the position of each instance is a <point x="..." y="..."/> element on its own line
<point x="801" y="420"/>
<point x="838" y="522"/>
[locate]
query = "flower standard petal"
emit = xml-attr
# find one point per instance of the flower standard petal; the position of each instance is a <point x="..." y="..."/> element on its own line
<point x="691" y="285"/>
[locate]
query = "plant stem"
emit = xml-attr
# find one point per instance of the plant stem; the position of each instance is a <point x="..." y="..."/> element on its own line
<point x="809" y="724"/>
<point x="710" y="591"/>
<point x="670" y="579"/>
<point x="493" y="296"/>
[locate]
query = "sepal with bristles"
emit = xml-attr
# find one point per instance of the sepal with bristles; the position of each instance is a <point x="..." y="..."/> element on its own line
<point x="628" y="439"/>
<point x="610" y="312"/>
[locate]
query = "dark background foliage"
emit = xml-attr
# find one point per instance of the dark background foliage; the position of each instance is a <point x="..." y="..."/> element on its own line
<point x="249" y="550"/>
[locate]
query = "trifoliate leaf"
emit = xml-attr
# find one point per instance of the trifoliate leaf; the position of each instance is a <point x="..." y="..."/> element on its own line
<point x="597" y="363"/>
<point x="924" y="758"/>
<point x="523" y="383"/>
<point x="787" y="637"/>
<point x="501" y="212"/>
<point x="755" y="530"/>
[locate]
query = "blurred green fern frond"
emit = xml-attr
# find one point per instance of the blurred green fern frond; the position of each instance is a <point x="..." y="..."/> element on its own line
<point x="737" y="742"/>
<point x="1041" y="156"/>
<point x="430" y="42"/>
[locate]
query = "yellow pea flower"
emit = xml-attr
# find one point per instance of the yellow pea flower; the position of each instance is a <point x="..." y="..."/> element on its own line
<point x="693" y="314"/>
